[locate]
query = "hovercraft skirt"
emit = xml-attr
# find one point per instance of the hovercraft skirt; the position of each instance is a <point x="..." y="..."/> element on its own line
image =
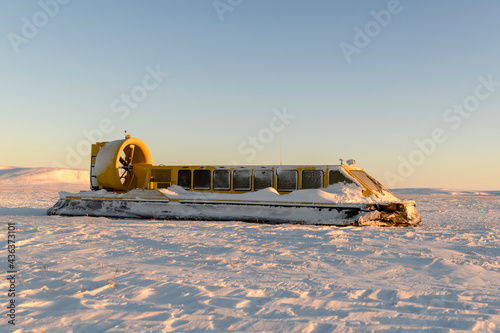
<point x="274" y="213"/>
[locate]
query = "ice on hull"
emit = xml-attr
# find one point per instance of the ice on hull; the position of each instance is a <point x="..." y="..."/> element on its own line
<point x="401" y="214"/>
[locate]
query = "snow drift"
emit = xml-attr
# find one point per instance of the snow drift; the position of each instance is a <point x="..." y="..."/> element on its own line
<point x="20" y="178"/>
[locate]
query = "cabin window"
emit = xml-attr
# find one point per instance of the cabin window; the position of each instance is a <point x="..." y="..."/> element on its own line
<point x="201" y="179"/>
<point x="338" y="177"/>
<point x="242" y="180"/>
<point x="222" y="180"/>
<point x="367" y="180"/>
<point x="262" y="179"/>
<point x="287" y="180"/>
<point x="312" y="179"/>
<point x="184" y="179"/>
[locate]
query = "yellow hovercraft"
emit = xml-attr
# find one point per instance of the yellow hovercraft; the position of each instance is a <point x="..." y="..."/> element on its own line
<point x="125" y="184"/>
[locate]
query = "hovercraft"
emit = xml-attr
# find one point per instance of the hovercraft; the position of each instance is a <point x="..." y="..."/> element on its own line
<point x="125" y="184"/>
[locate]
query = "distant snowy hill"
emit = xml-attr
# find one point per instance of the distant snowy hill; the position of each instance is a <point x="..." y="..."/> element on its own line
<point x="43" y="178"/>
<point x="441" y="191"/>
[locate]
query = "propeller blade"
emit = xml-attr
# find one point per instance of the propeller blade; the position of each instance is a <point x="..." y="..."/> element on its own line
<point x="131" y="156"/>
<point x="123" y="162"/>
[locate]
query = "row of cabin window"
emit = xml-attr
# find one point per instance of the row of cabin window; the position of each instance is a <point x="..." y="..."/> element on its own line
<point x="242" y="179"/>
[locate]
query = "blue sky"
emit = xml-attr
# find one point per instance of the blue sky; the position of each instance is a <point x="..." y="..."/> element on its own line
<point x="228" y="78"/>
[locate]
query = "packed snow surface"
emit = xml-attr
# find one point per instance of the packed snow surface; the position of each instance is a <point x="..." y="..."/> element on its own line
<point x="81" y="274"/>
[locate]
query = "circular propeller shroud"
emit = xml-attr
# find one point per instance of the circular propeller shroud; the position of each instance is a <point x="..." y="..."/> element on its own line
<point x="119" y="164"/>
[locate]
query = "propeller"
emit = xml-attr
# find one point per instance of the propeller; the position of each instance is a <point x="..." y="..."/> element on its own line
<point x="126" y="163"/>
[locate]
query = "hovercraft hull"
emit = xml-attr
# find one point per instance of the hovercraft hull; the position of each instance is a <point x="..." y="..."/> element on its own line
<point x="394" y="214"/>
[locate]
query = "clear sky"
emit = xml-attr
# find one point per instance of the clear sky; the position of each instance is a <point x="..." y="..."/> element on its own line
<point x="410" y="89"/>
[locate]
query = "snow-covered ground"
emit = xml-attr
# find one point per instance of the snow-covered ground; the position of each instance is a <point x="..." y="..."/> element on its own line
<point x="82" y="274"/>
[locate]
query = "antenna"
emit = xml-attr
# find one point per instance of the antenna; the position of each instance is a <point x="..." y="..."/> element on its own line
<point x="281" y="159"/>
